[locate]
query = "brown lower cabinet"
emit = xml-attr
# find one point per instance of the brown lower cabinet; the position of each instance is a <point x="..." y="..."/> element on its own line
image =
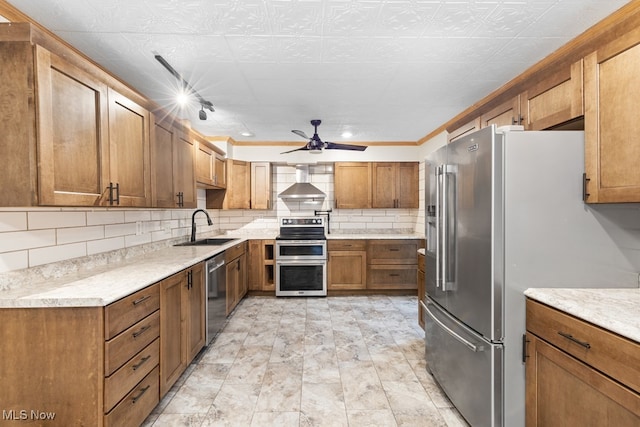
<point x="347" y="265"/>
<point x="182" y="323"/>
<point x="236" y="269"/>
<point x="578" y="374"/>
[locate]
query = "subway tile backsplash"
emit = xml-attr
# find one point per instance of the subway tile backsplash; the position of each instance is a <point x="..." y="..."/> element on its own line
<point x="34" y="237"/>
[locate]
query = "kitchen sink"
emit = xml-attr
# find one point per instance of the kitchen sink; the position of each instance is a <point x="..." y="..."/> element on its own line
<point x="208" y="242"/>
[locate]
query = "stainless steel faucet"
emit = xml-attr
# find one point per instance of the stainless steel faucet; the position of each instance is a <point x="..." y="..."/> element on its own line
<point x="193" y="222"/>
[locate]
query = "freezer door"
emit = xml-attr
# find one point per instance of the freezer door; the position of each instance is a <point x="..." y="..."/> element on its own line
<point x="467" y="367"/>
<point x="433" y="218"/>
<point x="474" y="196"/>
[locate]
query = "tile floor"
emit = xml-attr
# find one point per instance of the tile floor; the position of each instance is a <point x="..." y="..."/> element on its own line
<point x="335" y="361"/>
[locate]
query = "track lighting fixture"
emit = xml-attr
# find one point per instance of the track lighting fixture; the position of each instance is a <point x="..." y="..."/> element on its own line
<point x="187" y="88"/>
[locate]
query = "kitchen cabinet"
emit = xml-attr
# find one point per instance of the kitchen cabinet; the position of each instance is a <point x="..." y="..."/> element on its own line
<point x="260" y="185"/>
<point x="578" y="373"/>
<point x="87" y="365"/>
<point x="236" y="269"/>
<point x="463" y="130"/>
<point x="238" y="195"/>
<point x="260" y="265"/>
<point x="210" y="165"/>
<point x="130" y="161"/>
<point x="505" y="114"/>
<point x="182" y="323"/>
<point x="352" y="185"/>
<point x="612" y="88"/>
<point x="395" y="185"/>
<point x="422" y="314"/>
<point x="392" y="264"/>
<point x="347" y="264"/>
<point x="172" y="167"/>
<point x="556" y="99"/>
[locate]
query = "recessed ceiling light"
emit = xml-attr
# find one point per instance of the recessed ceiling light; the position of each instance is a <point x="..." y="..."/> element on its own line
<point x="246" y="134"/>
<point x="347" y="134"/>
<point x="182" y="98"/>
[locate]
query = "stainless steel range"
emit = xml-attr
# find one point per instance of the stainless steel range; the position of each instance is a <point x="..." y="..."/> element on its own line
<point x="301" y="257"/>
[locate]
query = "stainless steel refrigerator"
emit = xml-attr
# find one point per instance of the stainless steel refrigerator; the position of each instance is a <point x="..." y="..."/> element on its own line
<point x="504" y="213"/>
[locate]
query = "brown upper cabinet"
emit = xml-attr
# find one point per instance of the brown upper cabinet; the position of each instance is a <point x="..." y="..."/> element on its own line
<point x="352" y="185"/>
<point x="172" y="166"/>
<point x="463" y="130"/>
<point x="395" y="185"/>
<point x="238" y="194"/>
<point x="260" y="185"/>
<point x="505" y="114"/>
<point x="210" y="165"/>
<point x="556" y="99"/>
<point x="612" y="151"/>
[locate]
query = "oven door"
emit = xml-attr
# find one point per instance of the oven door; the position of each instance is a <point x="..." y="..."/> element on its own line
<point x="294" y="250"/>
<point x="301" y="278"/>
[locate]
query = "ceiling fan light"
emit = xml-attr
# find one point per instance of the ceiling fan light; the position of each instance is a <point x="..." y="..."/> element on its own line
<point x="202" y="114"/>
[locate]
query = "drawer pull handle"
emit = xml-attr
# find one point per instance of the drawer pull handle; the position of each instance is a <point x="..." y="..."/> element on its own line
<point x="141" y="362"/>
<point x="142" y="392"/>
<point x="139" y="300"/>
<point x="394" y="250"/>
<point x="141" y="331"/>
<point x="575" y="340"/>
<point x="394" y="275"/>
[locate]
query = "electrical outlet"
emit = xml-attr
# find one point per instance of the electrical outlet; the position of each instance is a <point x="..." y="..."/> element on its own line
<point x="139" y="230"/>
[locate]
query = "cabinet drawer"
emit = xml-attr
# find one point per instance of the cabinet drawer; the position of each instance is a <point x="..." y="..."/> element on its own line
<point x="346" y="245"/>
<point x="131" y="373"/>
<point x="392" y="252"/>
<point x="392" y="277"/>
<point x="235" y="251"/>
<point x="138" y="404"/>
<point x="609" y="353"/>
<point x="123" y="313"/>
<point x="123" y="347"/>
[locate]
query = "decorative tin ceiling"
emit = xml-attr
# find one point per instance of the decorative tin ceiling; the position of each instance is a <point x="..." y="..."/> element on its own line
<point x="387" y="70"/>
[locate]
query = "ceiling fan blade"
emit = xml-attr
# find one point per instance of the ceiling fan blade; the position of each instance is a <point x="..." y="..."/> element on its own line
<point x="306" y="147"/>
<point x="300" y="133"/>
<point x="334" y="146"/>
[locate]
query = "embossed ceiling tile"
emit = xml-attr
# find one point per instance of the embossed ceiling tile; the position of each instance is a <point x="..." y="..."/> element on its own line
<point x="314" y="70"/>
<point x="239" y="17"/>
<point x="409" y="18"/>
<point x="298" y="49"/>
<point x="253" y="49"/>
<point x="351" y="18"/>
<point x="455" y="49"/>
<point x="299" y="18"/>
<point x="346" y="49"/>
<point x="528" y="49"/>
<point x="460" y="19"/>
<point x="509" y="19"/>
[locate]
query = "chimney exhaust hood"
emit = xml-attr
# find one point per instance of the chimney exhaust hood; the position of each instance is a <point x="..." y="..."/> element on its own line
<point x="302" y="189"/>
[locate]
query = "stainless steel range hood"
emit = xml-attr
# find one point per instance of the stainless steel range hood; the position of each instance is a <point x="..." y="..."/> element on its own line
<point x="302" y="189"/>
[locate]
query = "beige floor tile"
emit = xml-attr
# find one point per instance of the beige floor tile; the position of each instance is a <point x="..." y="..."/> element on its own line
<point x="361" y="386"/>
<point x="281" y="389"/>
<point x="322" y="405"/>
<point x="233" y="406"/>
<point x="249" y="366"/>
<point x="378" y="418"/>
<point x="276" y="419"/>
<point x="179" y="420"/>
<point x="320" y="364"/>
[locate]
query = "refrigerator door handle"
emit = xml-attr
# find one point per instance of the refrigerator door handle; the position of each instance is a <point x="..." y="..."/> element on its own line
<point x="438" y="177"/>
<point x="471" y="346"/>
<point x="447" y="271"/>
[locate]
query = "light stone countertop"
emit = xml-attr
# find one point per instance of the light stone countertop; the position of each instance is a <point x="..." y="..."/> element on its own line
<point x="105" y="284"/>
<point x="617" y="310"/>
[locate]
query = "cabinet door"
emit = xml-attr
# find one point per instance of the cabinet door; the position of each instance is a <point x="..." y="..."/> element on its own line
<point x="347" y="270"/>
<point x="205" y="164"/>
<point x="352" y="185"/>
<point x="463" y="130"/>
<point x="173" y="358"/>
<point x="561" y="391"/>
<point x="407" y="182"/>
<point x="196" y="297"/>
<point x="554" y="100"/>
<point x="184" y="170"/>
<point x="255" y="265"/>
<point x="612" y="90"/>
<point x="261" y="185"/>
<point x="238" y="185"/>
<point x="130" y="162"/>
<point x="384" y="185"/>
<point x="505" y="114"/>
<point x="162" y="165"/>
<point x="233" y="281"/>
<point x="72" y="129"/>
<point x="220" y="171"/>
<point x="243" y="283"/>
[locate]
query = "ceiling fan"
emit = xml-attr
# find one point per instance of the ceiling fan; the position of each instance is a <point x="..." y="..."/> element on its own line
<point x="316" y="145"/>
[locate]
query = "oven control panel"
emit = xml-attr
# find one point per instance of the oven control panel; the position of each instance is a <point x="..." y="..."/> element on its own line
<point x="305" y="222"/>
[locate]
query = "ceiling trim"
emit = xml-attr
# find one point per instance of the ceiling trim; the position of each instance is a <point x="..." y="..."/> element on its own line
<point x="300" y="143"/>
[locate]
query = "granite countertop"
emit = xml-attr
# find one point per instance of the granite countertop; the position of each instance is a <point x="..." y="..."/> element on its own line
<point x="103" y="285"/>
<point x="617" y="310"/>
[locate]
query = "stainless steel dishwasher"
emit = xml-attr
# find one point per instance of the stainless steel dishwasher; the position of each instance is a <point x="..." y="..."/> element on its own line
<point x="216" y="296"/>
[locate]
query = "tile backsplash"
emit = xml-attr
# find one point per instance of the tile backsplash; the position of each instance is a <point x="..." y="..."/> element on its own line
<point x="31" y="237"/>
